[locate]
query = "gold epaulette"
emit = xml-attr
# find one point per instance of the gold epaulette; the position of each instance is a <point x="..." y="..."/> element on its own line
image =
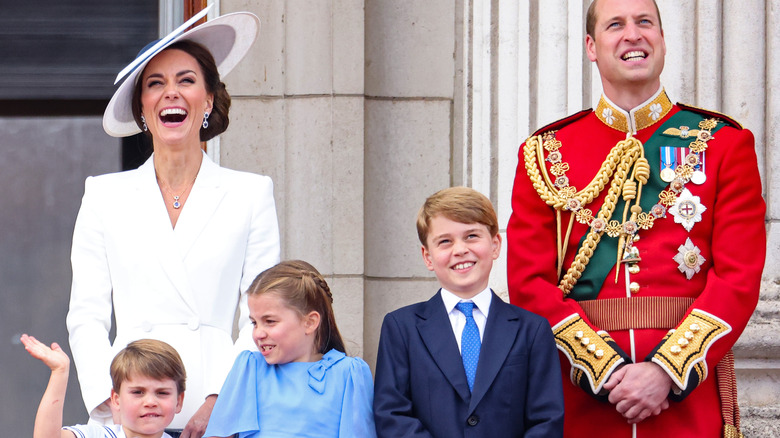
<point x="711" y="114"/>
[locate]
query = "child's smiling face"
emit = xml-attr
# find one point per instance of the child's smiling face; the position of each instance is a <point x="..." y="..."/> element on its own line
<point x="146" y="405"/>
<point x="461" y="255"/>
<point x="281" y="333"/>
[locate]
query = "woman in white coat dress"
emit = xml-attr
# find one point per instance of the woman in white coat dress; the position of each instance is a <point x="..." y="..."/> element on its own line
<point x="172" y="246"/>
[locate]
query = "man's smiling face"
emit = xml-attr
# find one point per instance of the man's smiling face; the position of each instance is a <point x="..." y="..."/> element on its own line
<point x="628" y="46"/>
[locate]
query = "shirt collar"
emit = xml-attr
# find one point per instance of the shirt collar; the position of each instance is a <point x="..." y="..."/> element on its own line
<point x="641" y="117"/>
<point x="481" y="300"/>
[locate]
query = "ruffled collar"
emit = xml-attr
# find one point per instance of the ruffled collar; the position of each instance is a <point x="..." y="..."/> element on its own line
<point x="641" y="117"/>
<point x="318" y="370"/>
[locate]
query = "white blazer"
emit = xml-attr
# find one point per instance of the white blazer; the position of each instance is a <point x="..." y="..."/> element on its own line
<point x="181" y="285"/>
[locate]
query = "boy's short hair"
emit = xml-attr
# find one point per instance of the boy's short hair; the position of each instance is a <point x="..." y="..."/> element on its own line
<point x="460" y="204"/>
<point x="148" y="358"/>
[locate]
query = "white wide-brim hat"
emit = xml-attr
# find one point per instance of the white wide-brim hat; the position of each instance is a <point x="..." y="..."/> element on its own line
<point x="228" y="38"/>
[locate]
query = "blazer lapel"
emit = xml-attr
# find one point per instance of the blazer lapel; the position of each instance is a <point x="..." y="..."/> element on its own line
<point x="154" y="222"/>
<point x="152" y="218"/>
<point x="205" y="197"/>
<point x="503" y="329"/>
<point x="436" y="333"/>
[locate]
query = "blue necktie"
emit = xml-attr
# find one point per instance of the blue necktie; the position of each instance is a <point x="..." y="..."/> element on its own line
<point x="469" y="343"/>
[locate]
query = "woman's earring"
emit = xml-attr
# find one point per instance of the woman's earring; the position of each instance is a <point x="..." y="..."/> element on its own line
<point x="143" y="120"/>
<point x="205" y="120"/>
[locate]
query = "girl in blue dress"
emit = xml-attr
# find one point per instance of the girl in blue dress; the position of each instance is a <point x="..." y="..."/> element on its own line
<point x="300" y="383"/>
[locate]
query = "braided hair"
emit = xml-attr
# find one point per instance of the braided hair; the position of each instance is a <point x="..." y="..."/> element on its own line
<point x="303" y="289"/>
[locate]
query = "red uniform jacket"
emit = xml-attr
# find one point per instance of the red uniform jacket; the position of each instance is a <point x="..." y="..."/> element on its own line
<point x="727" y="231"/>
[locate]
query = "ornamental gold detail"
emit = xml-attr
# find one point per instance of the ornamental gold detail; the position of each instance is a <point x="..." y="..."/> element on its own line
<point x="684" y="350"/>
<point x="587" y="351"/>
<point x="622" y="174"/>
<point x="645" y="221"/>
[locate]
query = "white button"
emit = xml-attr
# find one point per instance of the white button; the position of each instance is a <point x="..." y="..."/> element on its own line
<point x="193" y="324"/>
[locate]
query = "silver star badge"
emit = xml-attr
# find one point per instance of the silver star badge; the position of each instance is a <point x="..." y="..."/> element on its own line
<point x="687" y="209"/>
<point x="689" y="259"/>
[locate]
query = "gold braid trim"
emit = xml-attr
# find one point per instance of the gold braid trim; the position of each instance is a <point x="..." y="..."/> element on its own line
<point x="533" y="155"/>
<point x="684" y="350"/>
<point x="727" y="389"/>
<point x="619" y="162"/>
<point x="589" y="352"/>
<point x="730" y="431"/>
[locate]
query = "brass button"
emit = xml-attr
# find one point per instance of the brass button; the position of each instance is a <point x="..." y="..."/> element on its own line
<point x="633" y="269"/>
<point x="634" y="287"/>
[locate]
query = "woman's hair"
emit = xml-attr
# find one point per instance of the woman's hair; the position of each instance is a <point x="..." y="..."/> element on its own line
<point x="303" y="289"/>
<point x="218" y="118"/>
<point x="148" y="358"/>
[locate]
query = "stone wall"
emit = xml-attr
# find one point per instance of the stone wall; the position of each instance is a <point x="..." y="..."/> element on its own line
<point x="359" y="109"/>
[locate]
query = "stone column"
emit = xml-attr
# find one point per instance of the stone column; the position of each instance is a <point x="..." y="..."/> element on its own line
<point x="408" y="152"/>
<point x="359" y="109"/>
<point x="297" y="116"/>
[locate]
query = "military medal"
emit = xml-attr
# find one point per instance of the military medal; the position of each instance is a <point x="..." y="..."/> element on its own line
<point x="667" y="175"/>
<point x="678" y="166"/>
<point x="695" y="153"/>
<point x="668" y="163"/>
<point x="689" y="259"/>
<point x="698" y="177"/>
<point x="687" y="209"/>
<point x="696" y="162"/>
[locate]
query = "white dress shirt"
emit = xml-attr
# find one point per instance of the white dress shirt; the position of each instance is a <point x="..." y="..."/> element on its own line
<point x="458" y="319"/>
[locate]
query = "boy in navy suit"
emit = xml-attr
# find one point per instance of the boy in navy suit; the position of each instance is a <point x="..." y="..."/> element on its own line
<point x="465" y="363"/>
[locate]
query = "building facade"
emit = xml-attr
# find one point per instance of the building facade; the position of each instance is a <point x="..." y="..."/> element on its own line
<point x="360" y="109"/>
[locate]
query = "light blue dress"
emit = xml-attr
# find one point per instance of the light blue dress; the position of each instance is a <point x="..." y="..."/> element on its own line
<point x="328" y="398"/>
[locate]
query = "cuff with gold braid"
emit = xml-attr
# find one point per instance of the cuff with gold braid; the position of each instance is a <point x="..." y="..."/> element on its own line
<point x="593" y="355"/>
<point x="683" y="351"/>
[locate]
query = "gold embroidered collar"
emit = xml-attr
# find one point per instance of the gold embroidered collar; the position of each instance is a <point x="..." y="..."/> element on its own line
<point x="641" y="117"/>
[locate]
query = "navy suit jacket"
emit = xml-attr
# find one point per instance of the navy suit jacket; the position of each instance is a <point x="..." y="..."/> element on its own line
<point x="420" y="386"/>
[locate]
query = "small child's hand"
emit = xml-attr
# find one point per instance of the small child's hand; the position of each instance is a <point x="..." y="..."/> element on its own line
<point x="53" y="357"/>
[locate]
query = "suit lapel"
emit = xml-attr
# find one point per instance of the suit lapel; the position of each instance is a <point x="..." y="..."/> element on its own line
<point x="436" y="333"/>
<point x="205" y="197"/>
<point x="152" y="218"/>
<point x="155" y="225"/>
<point x="503" y="329"/>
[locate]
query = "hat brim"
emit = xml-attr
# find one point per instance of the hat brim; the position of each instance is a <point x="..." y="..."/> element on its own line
<point x="228" y="38"/>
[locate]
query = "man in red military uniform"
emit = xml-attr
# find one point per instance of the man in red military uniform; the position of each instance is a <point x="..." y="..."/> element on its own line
<point x="638" y="231"/>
